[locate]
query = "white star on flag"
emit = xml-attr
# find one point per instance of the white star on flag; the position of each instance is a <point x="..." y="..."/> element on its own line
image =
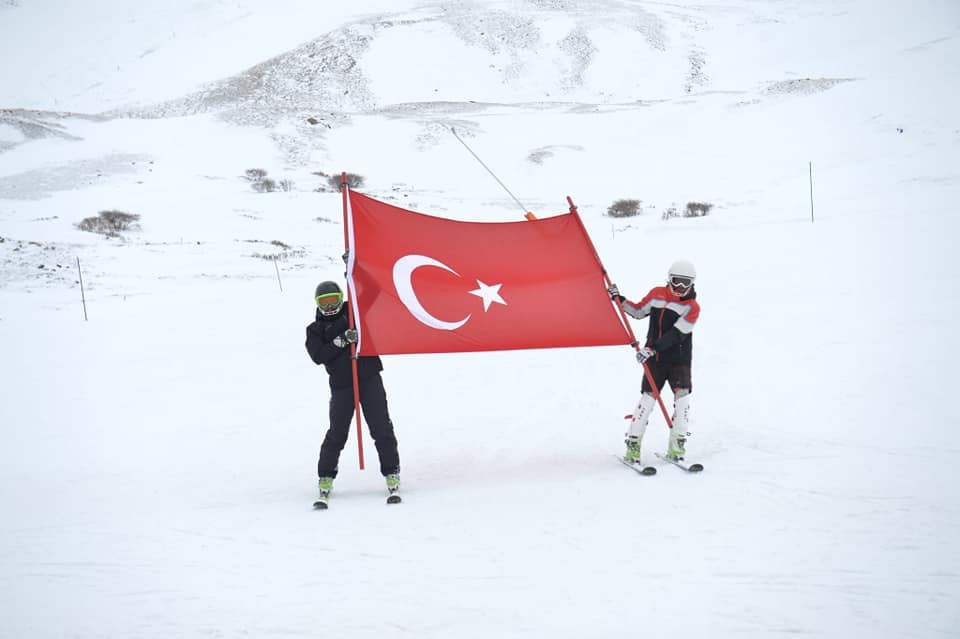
<point x="489" y="294"/>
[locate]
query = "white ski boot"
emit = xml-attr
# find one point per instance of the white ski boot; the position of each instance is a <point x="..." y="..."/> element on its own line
<point x="676" y="447"/>
<point x="638" y="426"/>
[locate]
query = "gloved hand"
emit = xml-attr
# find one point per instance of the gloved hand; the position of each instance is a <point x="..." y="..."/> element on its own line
<point x="644" y="354"/>
<point x="614" y="293"/>
<point x="346" y="338"/>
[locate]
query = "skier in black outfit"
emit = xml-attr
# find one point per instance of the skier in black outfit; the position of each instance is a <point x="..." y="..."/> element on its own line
<point x="328" y="342"/>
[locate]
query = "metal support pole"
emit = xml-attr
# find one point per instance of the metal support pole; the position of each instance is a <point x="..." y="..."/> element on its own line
<point x="83" y="296"/>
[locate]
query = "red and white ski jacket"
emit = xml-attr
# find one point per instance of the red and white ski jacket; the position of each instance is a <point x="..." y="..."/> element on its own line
<point x="672" y="319"/>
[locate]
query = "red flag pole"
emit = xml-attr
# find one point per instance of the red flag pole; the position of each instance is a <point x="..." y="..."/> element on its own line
<point x="350" y="323"/>
<point x="623" y="316"/>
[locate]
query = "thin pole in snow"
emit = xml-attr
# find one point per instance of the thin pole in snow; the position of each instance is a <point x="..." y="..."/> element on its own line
<point x="811" y="191"/>
<point x="345" y="190"/>
<point x="83" y="297"/>
<point x="527" y="214"/>
<point x="278" y="274"/>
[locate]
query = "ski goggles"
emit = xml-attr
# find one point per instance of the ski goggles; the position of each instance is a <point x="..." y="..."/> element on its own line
<point x="681" y="283"/>
<point x="329" y="301"/>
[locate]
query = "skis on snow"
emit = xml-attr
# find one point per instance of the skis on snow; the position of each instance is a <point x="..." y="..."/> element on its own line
<point x="638" y="468"/>
<point x="690" y="468"/>
<point x="323" y="502"/>
<point x="641" y="469"/>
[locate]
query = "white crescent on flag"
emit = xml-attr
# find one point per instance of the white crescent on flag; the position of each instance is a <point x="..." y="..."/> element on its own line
<point x="402" y="273"/>
<point x="402" y="280"/>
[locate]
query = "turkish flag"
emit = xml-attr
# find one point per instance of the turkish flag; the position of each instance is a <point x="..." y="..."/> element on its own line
<point x="424" y="284"/>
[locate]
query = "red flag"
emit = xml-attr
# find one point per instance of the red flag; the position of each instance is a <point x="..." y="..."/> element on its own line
<point x="425" y="284"/>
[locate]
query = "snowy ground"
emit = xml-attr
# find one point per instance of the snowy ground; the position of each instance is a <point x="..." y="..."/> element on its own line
<point x="158" y="460"/>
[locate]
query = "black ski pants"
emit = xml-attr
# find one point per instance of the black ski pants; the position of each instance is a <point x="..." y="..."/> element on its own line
<point x="373" y="402"/>
<point x="677" y="374"/>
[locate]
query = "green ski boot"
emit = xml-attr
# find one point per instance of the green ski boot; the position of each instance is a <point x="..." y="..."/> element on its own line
<point x="676" y="447"/>
<point x="325" y="484"/>
<point x="393" y="488"/>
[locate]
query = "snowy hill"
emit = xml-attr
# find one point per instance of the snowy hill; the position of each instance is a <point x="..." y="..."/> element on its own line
<point x="158" y="460"/>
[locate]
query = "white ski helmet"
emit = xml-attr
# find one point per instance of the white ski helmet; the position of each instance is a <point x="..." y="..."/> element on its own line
<point x="681" y="276"/>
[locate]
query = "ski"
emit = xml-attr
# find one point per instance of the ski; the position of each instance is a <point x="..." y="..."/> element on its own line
<point x="638" y="468"/>
<point x="322" y="503"/>
<point x="690" y="468"/>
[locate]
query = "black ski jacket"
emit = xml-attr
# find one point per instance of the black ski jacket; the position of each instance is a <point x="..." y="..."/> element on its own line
<point x="672" y="319"/>
<point x="320" y="335"/>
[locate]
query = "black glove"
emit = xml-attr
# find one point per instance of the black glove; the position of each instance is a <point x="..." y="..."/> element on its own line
<point x="346" y="338"/>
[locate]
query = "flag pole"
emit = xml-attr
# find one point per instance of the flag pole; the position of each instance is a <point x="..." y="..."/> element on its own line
<point x="623" y="316"/>
<point x="353" y="347"/>
<point x="527" y="214"/>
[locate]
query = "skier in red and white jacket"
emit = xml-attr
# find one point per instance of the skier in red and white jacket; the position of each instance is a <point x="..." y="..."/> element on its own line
<point x="667" y="352"/>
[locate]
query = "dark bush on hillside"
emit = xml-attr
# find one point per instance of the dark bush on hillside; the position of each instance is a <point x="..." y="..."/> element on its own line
<point x="354" y="181"/>
<point x="693" y="209"/>
<point x="260" y="183"/>
<point x="110" y="223"/>
<point x="624" y="208"/>
<point x="266" y="185"/>
<point x="698" y="209"/>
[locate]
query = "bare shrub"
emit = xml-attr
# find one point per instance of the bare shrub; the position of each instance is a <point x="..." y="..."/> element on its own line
<point x="266" y="185"/>
<point x="282" y="256"/>
<point x="624" y="208"/>
<point x="697" y="209"/>
<point x="354" y="181"/>
<point x="671" y="212"/>
<point x="260" y="183"/>
<point x="284" y="253"/>
<point x="255" y="175"/>
<point x="110" y="223"/>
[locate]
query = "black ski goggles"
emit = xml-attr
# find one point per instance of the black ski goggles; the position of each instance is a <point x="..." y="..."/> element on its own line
<point x="681" y="283"/>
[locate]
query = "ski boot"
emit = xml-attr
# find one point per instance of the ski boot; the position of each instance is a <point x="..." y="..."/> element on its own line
<point x="325" y="485"/>
<point x="681" y="420"/>
<point x="676" y="446"/>
<point x="632" y="455"/>
<point x="393" y="488"/>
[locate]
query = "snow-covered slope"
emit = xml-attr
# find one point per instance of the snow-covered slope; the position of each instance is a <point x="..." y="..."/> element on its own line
<point x="157" y="465"/>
